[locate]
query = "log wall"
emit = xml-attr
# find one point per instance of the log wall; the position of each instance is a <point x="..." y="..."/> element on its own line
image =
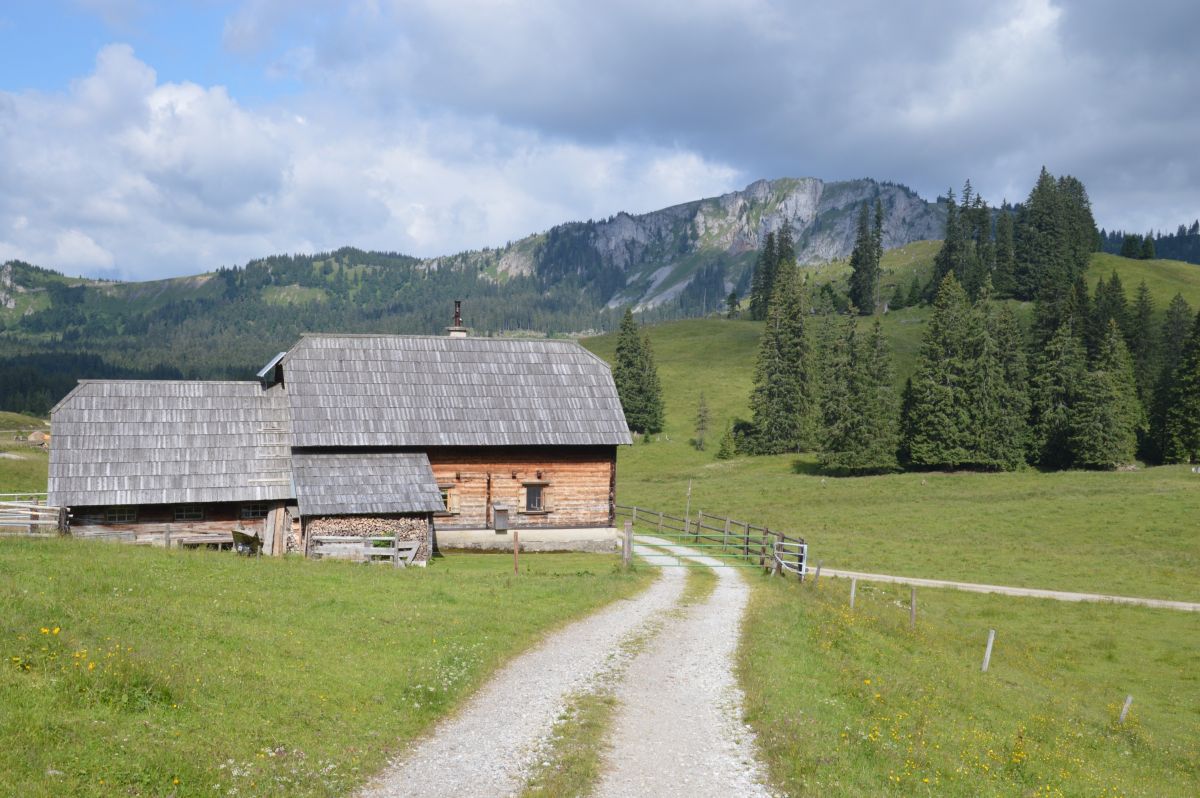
<point x="578" y="485"/>
<point x="154" y="519"/>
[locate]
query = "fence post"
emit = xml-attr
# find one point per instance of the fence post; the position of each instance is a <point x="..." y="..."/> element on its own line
<point x="1125" y="709"/>
<point x="987" y="653"/>
<point x="517" y="550"/>
<point x="167" y="537"/>
<point x="762" y="547"/>
<point x="854" y="589"/>
<point x="627" y="545"/>
<point x="62" y="521"/>
<point x="660" y="521"/>
<point x="817" y="576"/>
<point x="912" y="609"/>
<point x="725" y="541"/>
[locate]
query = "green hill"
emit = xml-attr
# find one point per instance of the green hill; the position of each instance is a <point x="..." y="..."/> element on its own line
<point x="1056" y="530"/>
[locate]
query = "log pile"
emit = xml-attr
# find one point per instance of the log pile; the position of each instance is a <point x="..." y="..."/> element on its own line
<point x="403" y="527"/>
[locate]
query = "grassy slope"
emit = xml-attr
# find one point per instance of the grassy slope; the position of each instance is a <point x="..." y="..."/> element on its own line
<point x="260" y="676"/>
<point x="854" y="703"/>
<point x="19" y="421"/>
<point x="1055" y="530"/>
<point x="23" y="469"/>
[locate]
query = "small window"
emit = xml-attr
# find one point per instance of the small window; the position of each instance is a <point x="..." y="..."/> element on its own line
<point x="535" y="498"/>
<point x="449" y="498"/>
<point x="120" y="515"/>
<point x="251" y="511"/>
<point x="189" y="512"/>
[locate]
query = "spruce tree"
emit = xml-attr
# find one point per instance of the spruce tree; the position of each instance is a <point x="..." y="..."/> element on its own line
<point x="1142" y="339"/>
<point x="1182" y="429"/>
<point x="1111" y="305"/>
<point x="1105" y="419"/>
<point x="1147" y="252"/>
<point x="702" y="419"/>
<point x="785" y="256"/>
<point x="763" y="282"/>
<point x="838" y="355"/>
<point x="899" y="298"/>
<point x="939" y="433"/>
<point x="998" y="391"/>
<point x="728" y="448"/>
<point x="1058" y="377"/>
<point x="1043" y="246"/>
<point x="864" y="266"/>
<point x="914" y="292"/>
<point x="1171" y="342"/>
<point x="1006" y="261"/>
<point x="862" y="433"/>
<point x="782" y="399"/>
<point x="636" y="379"/>
<point x="652" y="388"/>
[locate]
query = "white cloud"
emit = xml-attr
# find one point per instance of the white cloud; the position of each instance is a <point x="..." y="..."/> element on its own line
<point x="126" y="174"/>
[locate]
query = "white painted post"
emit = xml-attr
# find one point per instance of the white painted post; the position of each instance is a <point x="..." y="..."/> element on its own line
<point x="1125" y="709"/>
<point x="687" y="512"/>
<point x="853" y="590"/>
<point x="987" y="654"/>
<point x="627" y="545"/>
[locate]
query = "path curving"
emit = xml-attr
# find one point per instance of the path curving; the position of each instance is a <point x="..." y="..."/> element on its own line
<point x="488" y="747"/>
<point x="679" y="730"/>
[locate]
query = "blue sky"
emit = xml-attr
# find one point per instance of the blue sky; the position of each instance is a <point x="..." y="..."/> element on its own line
<point x="143" y="139"/>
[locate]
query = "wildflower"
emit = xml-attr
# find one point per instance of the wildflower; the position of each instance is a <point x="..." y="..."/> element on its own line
<point x="55" y="630"/>
<point x="866" y="681"/>
<point x="45" y="631"/>
<point x="91" y="666"/>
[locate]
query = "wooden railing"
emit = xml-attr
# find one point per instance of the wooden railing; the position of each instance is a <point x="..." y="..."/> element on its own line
<point x="365" y="548"/>
<point x="28" y="514"/>
<point x="772" y="549"/>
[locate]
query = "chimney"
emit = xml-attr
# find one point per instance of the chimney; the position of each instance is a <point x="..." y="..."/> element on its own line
<point x="457" y="330"/>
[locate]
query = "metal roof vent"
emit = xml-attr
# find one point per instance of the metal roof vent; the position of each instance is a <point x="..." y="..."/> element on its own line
<point x="457" y="330"/>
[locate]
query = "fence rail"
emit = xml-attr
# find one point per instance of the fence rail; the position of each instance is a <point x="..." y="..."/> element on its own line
<point x="26" y="514"/>
<point x="735" y="542"/>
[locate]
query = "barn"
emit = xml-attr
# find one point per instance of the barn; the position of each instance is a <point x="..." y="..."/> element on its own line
<point x="423" y="437"/>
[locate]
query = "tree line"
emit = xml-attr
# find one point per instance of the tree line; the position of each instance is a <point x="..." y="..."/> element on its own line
<point x="1183" y="244"/>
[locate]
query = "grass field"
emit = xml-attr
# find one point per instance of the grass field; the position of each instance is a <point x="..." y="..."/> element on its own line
<point x="1131" y="533"/>
<point x="23" y="468"/>
<point x="850" y="703"/>
<point x="135" y="671"/>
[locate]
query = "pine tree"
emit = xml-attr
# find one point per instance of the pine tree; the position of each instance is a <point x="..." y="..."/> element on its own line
<point x="1043" y="247"/>
<point x="785" y="256"/>
<point x="1171" y="343"/>
<point x="864" y="266"/>
<point x="1105" y="419"/>
<point x="951" y="254"/>
<point x="939" y="433"/>
<point x="1182" y="428"/>
<point x="899" y="298"/>
<point x="782" y="399"/>
<point x="914" y="292"/>
<point x="732" y="305"/>
<point x="1057" y="381"/>
<point x="702" y="419"/>
<point x="637" y="379"/>
<point x="1111" y="305"/>
<point x="837" y="342"/>
<point x="1131" y="246"/>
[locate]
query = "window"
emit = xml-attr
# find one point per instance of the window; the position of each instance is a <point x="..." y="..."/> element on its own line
<point x="189" y="512"/>
<point x="535" y="498"/>
<point x="120" y="515"/>
<point x="251" y="511"/>
<point x="449" y="499"/>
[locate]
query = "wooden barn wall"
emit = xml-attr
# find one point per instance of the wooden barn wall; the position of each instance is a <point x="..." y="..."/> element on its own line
<point x="154" y="519"/>
<point x="579" y="484"/>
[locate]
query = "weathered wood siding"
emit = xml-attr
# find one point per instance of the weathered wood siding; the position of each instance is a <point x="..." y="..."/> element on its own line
<point x="578" y="484"/>
<point x="154" y="519"/>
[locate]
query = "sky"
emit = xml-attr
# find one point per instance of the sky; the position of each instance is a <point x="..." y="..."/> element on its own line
<point x="141" y="140"/>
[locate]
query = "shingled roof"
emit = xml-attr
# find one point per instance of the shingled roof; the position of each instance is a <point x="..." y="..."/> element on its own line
<point x="169" y="442"/>
<point x="365" y="483"/>
<point x="384" y="390"/>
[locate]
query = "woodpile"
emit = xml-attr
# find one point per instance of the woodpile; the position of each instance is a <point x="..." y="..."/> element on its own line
<point x="401" y="526"/>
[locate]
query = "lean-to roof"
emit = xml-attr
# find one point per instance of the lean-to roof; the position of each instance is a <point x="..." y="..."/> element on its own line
<point x="365" y="483"/>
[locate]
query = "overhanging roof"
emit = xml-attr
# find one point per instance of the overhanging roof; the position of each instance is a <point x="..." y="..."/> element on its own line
<point x="365" y="483"/>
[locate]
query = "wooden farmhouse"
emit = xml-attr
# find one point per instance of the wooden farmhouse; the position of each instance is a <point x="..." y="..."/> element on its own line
<point x="420" y="437"/>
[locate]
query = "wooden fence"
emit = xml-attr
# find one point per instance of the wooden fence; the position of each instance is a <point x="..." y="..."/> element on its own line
<point x="724" y="536"/>
<point x="364" y="549"/>
<point x="28" y="514"/>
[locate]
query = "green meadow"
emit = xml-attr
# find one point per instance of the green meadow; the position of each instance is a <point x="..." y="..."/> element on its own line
<point x="136" y="671"/>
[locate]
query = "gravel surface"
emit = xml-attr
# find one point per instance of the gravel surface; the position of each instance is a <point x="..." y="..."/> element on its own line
<point x="489" y="747"/>
<point x="679" y="730"/>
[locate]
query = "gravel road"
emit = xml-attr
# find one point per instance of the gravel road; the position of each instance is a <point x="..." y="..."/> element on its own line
<point x="679" y="731"/>
<point x="488" y="747"/>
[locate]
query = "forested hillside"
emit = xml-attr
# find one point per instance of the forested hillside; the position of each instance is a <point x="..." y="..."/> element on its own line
<point x="677" y="262"/>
